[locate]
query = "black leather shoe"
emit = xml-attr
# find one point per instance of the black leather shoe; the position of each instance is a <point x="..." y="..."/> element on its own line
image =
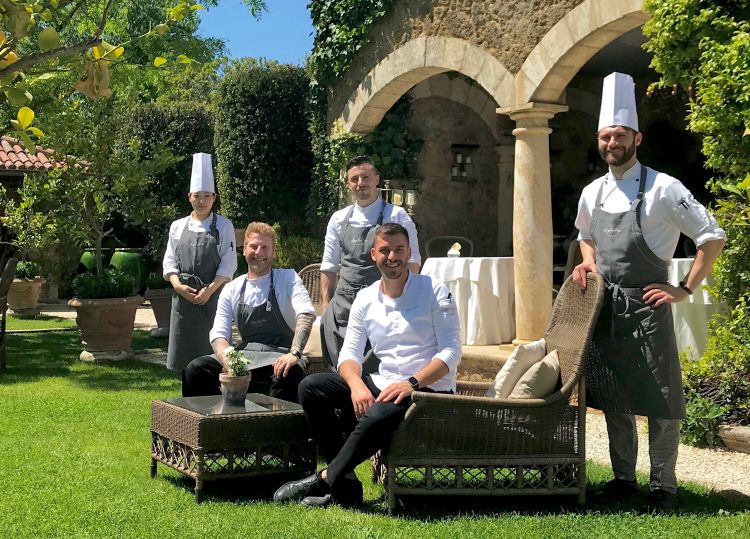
<point x="296" y="490"/>
<point x="346" y="492"/>
<point x="317" y="501"/>
<point x="616" y="490"/>
<point x="661" y="501"/>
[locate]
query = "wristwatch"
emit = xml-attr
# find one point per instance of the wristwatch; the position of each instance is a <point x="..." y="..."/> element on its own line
<point x="684" y="286"/>
<point x="297" y="354"/>
<point x="414" y="383"/>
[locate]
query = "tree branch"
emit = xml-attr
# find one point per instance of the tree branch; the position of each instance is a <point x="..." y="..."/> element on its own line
<point x="39" y="57"/>
<point x="105" y="14"/>
<point x="69" y="16"/>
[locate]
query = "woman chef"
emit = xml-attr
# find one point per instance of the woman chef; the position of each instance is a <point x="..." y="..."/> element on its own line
<point x="199" y="259"/>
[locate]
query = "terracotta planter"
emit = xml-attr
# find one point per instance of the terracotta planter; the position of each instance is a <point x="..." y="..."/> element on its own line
<point x="24" y="295"/>
<point x="161" y="304"/>
<point x="234" y="388"/>
<point x="106" y="327"/>
<point x="735" y="437"/>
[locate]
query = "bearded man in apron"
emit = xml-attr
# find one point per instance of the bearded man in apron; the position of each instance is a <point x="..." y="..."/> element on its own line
<point x="265" y="304"/>
<point x="630" y="222"/>
<point x="347" y="266"/>
<point x="200" y="257"/>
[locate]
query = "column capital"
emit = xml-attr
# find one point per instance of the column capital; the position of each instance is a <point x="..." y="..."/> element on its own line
<point x="532" y="114"/>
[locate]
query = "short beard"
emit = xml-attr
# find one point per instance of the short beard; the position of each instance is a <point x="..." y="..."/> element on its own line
<point x="617" y="162"/>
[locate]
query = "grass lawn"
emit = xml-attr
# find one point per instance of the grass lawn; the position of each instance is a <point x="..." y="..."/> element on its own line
<point x="75" y="453"/>
<point x="39" y="322"/>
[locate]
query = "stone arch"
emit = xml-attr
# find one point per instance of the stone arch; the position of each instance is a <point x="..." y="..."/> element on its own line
<point x="571" y="43"/>
<point x="463" y="92"/>
<point x="414" y="62"/>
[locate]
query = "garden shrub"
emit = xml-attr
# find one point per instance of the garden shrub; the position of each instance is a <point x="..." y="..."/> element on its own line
<point x="262" y="144"/>
<point x="113" y="283"/>
<point x="183" y="129"/>
<point x="26" y="269"/>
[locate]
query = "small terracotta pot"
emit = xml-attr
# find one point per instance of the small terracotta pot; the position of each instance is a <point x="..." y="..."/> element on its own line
<point x="234" y="388"/>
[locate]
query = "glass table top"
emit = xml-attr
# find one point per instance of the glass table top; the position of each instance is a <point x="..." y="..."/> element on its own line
<point x="214" y="405"/>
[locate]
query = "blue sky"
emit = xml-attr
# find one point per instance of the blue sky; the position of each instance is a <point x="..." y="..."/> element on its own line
<point x="283" y="32"/>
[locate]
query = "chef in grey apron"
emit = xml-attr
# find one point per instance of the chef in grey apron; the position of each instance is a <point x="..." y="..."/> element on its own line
<point x="198" y="259"/>
<point x="633" y="366"/>
<point x="357" y="271"/>
<point x="198" y="263"/>
<point x="266" y="334"/>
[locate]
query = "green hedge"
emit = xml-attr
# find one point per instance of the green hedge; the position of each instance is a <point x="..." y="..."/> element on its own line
<point x="262" y="144"/>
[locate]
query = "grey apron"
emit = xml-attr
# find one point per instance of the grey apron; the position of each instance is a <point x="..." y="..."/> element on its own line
<point x="634" y="367"/>
<point x="357" y="271"/>
<point x="263" y="330"/>
<point x="197" y="254"/>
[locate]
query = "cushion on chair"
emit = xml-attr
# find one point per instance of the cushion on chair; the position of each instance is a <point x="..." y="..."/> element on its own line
<point x="540" y="380"/>
<point x="312" y="348"/>
<point x="519" y="361"/>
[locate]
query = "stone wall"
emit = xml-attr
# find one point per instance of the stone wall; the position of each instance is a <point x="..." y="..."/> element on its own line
<point x="507" y="29"/>
<point x="447" y="207"/>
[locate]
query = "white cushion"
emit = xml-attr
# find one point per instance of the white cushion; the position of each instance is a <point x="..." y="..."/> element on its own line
<point x="519" y="361"/>
<point x="540" y="380"/>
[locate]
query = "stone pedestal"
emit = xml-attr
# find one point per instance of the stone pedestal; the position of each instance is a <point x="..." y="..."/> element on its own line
<point x="532" y="218"/>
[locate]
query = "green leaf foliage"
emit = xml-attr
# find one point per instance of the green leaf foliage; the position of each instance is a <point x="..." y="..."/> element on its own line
<point x="113" y="283"/>
<point x="27" y="269"/>
<point x="704" y="47"/>
<point x="262" y="144"/>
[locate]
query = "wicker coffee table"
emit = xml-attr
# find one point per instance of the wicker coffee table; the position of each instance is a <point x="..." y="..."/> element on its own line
<point x="205" y="439"/>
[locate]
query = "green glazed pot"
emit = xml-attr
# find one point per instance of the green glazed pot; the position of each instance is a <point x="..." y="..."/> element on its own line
<point x="131" y="262"/>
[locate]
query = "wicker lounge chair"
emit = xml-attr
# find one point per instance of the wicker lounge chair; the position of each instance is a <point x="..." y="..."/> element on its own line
<point x="9" y="273"/>
<point x="468" y="444"/>
<point x="310" y="276"/>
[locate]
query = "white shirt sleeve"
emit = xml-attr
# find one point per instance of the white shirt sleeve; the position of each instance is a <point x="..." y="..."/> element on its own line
<point x="583" y="218"/>
<point x="446" y="324"/>
<point x="356" y="334"/>
<point x="690" y="216"/>
<point x="300" y="298"/>
<point x="227" y="251"/>
<point x="224" y="314"/>
<point x="169" y="264"/>
<point x="331" y="247"/>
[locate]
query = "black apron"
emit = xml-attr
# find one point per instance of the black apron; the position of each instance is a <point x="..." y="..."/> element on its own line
<point x="197" y="254"/>
<point x="633" y="366"/>
<point x="357" y="271"/>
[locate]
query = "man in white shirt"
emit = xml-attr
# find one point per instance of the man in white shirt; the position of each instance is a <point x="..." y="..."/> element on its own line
<point x="413" y="326"/>
<point x="630" y="221"/>
<point x="266" y="304"/>
<point x="347" y="267"/>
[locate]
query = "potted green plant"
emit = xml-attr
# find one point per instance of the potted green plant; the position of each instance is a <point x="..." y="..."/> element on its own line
<point x="159" y="294"/>
<point x="105" y="314"/>
<point x="235" y="378"/>
<point x="24" y="291"/>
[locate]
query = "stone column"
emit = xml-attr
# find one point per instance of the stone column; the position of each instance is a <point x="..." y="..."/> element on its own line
<point x="505" y="153"/>
<point x="532" y="218"/>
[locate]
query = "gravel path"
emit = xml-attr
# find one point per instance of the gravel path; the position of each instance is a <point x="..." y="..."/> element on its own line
<point x="724" y="472"/>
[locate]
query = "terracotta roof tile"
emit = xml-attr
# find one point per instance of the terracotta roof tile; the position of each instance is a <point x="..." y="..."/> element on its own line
<point x="15" y="156"/>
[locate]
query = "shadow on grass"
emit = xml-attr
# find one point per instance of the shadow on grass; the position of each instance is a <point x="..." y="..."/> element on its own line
<point x="36" y="356"/>
<point x="431" y="508"/>
<point x="690" y="503"/>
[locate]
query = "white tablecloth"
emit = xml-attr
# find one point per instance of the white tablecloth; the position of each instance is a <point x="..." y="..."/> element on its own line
<point x="483" y="291"/>
<point x="692" y="315"/>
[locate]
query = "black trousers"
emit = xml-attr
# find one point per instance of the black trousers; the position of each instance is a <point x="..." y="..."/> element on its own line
<point x="201" y="377"/>
<point x="343" y="441"/>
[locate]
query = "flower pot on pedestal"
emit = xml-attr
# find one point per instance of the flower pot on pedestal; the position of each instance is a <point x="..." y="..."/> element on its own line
<point x="106" y="327"/>
<point x="24" y="295"/>
<point x="161" y="304"/>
